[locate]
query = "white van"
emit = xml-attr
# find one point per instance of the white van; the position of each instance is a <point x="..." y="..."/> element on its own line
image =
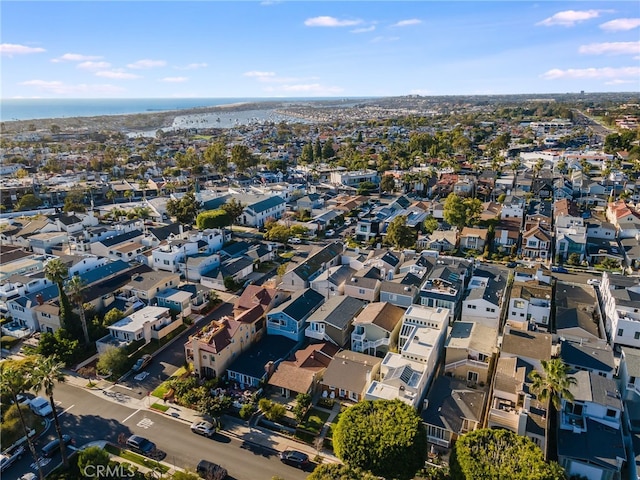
<point x="41" y="406"/>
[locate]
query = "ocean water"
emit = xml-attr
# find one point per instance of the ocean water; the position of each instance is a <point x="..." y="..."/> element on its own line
<point x="39" y="108"/>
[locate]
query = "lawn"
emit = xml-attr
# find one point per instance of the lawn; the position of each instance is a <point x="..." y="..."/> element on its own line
<point x="165" y="386"/>
<point x="135" y="458"/>
<point x="314" y="420"/>
<point x="332" y="425"/>
<point x="159" y="406"/>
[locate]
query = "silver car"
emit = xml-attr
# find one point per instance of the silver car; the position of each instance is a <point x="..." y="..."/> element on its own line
<point x="204" y="428"/>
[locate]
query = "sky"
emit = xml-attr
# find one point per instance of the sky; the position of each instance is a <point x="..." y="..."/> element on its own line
<point x="249" y="49"/>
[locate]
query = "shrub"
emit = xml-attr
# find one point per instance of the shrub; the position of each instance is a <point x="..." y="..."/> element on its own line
<point x="8" y="342"/>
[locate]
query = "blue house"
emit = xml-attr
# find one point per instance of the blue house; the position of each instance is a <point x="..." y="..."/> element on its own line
<point x="289" y="319"/>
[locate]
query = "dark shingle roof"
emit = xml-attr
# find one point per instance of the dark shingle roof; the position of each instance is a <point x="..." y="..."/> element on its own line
<point x="266" y="204"/>
<point x="314" y="263"/>
<point x="301" y="304"/>
<point x="123" y="237"/>
<point x="270" y="349"/>
<point x="338" y="311"/>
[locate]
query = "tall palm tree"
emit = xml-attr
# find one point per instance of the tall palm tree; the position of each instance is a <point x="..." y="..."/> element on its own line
<point x="76" y="286"/>
<point x="48" y="372"/>
<point x="55" y="271"/>
<point x="552" y="385"/>
<point x="14" y="381"/>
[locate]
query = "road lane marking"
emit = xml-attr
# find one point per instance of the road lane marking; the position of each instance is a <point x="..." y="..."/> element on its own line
<point x="68" y="408"/>
<point x="145" y="422"/>
<point x="130" y="416"/>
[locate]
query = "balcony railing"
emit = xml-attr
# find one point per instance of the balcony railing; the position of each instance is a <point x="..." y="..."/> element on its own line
<point x="467" y="361"/>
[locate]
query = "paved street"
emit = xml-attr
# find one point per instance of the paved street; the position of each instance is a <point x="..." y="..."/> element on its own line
<point x="88" y="418"/>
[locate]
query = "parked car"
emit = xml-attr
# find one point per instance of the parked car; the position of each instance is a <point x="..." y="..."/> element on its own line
<point x="512" y="264"/>
<point x="559" y="270"/>
<point x="330" y="233"/>
<point x="54" y="445"/>
<point x="295" y="240"/>
<point x="10" y="455"/>
<point x="41" y="406"/>
<point x="211" y="471"/>
<point x="203" y="428"/>
<point x="141" y="445"/>
<point x="593" y="281"/>
<point x="142" y="362"/>
<point x="295" y="458"/>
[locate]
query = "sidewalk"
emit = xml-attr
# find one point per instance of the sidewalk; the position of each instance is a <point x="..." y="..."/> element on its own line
<point x="232" y="426"/>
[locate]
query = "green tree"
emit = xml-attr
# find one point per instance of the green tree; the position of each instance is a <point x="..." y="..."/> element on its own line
<point x="336" y="471"/>
<point x="303" y="401"/>
<point x="111" y="195"/>
<point x="385" y="437"/>
<point x="461" y="212"/>
<point x="497" y="454"/>
<point x="399" y="234"/>
<point x="128" y="194"/>
<point x="113" y="361"/>
<point x="112" y="316"/>
<point x="430" y="224"/>
<point x="60" y="345"/>
<point x="218" y="218"/>
<point x="387" y="184"/>
<point x="56" y="272"/>
<point x="92" y="456"/>
<point x="13" y="381"/>
<point x="214" y="406"/>
<point x="278" y="233"/>
<point x="365" y="188"/>
<point x="574" y="259"/>
<point x="272" y="411"/>
<point x="21" y="173"/>
<point x="234" y="208"/>
<point x="327" y="150"/>
<point x="216" y="155"/>
<point x="74" y="202"/>
<point x="184" y="210"/>
<point x="76" y="286"/>
<point x="45" y="375"/>
<point x="552" y="385"/>
<point x="306" y="157"/>
<point x="242" y="157"/>
<point x="317" y="150"/>
<point x="28" y="202"/>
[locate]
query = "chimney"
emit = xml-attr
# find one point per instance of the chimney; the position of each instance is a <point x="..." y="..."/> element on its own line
<point x="40" y="299"/>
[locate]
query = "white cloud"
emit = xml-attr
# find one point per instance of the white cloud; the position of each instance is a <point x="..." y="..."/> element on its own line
<point x="364" y="29"/>
<point x="619" y="81"/>
<point x="94" y="65"/>
<point x="146" y="63"/>
<point x="11" y="49"/>
<point x="259" y="75"/>
<point x="621" y="24"/>
<point x="75" y="57"/>
<point x="611" y="48"/>
<point x="174" y="79"/>
<point x="60" y="88"/>
<point x="420" y="91"/>
<point x="591" y="73"/>
<point x="117" y="74"/>
<point x="407" y="23"/>
<point x="326" y="21"/>
<point x="569" y="18"/>
<point x="193" y="66"/>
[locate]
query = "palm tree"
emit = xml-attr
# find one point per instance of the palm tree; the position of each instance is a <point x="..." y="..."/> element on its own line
<point x="47" y="372"/>
<point x="128" y="194"/>
<point x="55" y="271"/>
<point x="553" y="384"/>
<point x="76" y="286"/>
<point x="111" y="195"/>
<point x="13" y="381"/>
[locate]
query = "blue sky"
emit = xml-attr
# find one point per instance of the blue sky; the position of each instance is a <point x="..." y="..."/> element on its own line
<point x="125" y="49"/>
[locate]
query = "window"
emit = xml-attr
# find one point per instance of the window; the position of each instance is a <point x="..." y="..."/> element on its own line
<point x="472" y="307"/>
<point x="620" y="332"/>
<point x="518" y="304"/>
<point x="491" y="310"/>
<point x="573" y="409"/>
<point x="361" y="291"/>
<point x="611" y="413"/>
<point x="636" y="336"/>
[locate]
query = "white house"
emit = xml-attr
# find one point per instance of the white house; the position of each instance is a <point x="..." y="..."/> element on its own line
<point x="484" y="298"/>
<point x="145" y="324"/>
<point x="621" y="305"/>
<point x="530" y="302"/>
<point x="262" y="208"/>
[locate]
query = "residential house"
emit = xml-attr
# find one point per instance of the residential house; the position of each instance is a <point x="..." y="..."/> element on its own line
<point x="619" y="212"/>
<point x="332" y="322"/>
<point x="469" y="350"/>
<point x="364" y="285"/>
<point x="303" y="371"/>
<point x="260" y="209"/>
<point x="237" y="268"/>
<point x="376" y="329"/>
<point x="349" y="375"/>
<point x="256" y="365"/>
<point x="483" y="300"/>
<point x="144" y="325"/>
<point x="473" y="238"/>
<point x="444" y="287"/>
<point x="406" y="375"/>
<point x="440" y="241"/>
<point x="102" y="247"/>
<point x="21" y="308"/>
<point x="571" y="236"/>
<point x="146" y="285"/>
<point x="178" y="301"/>
<point x="16" y="261"/>
<point x="45" y="242"/>
<point x="354" y="178"/>
<point x="452" y="409"/>
<point x="577" y="314"/>
<point x="512" y="207"/>
<point x="507" y="232"/>
<point x="402" y="291"/>
<point x="529" y="304"/>
<point x="536" y="244"/>
<point x="629" y="373"/>
<point x="300" y="276"/>
<point x="290" y="318"/>
<point x="310" y="202"/>
<point x="513" y="406"/>
<point x="537" y="272"/>
<point x="597" y="358"/>
<point x="620" y="300"/>
<point x="331" y="282"/>
<point x="591" y="442"/>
